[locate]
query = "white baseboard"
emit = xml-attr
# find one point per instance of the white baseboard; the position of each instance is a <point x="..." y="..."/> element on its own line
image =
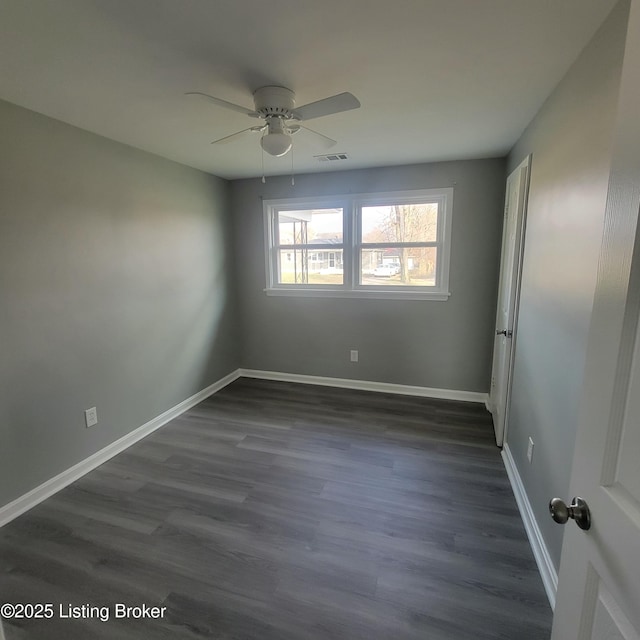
<point x="25" y="502"/>
<point x="367" y="385"/>
<point x="540" y="552"/>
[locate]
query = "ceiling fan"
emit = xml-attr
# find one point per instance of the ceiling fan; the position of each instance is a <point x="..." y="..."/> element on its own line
<point x="276" y="106"/>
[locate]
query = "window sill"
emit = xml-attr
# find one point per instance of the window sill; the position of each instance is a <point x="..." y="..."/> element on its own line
<point x="376" y="294"/>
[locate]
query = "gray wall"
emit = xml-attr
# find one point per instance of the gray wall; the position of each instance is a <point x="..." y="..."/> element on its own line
<point x="427" y="343"/>
<point x="570" y="140"/>
<point x="115" y="292"/>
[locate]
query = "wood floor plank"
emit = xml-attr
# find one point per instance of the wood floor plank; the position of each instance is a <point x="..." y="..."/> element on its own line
<point x="290" y="512"/>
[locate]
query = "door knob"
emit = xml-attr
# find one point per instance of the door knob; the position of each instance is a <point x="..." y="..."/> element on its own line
<point x="578" y="510"/>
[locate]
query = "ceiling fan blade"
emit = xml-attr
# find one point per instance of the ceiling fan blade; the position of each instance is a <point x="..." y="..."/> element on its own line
<point x="326" y="106"/>
<point x="223" y="103"/>
<point x="238" y="134"/>
<point x="320" y="138"/>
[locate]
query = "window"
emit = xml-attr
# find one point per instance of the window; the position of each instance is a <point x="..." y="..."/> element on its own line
<point x="387" y="245"/>
<point x="309" y="246"/>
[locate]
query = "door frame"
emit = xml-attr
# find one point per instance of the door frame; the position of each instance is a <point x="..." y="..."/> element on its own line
<point x="516" y="273"/>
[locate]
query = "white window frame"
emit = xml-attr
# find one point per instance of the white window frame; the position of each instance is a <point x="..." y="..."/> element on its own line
<point x="351" y="206"/>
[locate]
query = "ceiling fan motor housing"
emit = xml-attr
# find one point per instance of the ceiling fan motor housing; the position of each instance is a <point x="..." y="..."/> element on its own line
<point x="274" y="101"/>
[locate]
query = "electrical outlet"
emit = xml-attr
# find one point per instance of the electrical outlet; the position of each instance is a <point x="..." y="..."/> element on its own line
<point x="354" y="355"/>
<point x="530" y="450"/>
<point x="91" y="417"/>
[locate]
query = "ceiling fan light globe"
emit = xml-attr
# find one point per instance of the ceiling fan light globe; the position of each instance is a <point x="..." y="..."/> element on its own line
<point x="276" y="144"/>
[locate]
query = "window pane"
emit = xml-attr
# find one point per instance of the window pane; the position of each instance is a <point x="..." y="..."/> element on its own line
<point x="414" y="267"/>
<point x="310" y="266"/>
<point x="400" y="223"/>
<point x="310" y="226"/>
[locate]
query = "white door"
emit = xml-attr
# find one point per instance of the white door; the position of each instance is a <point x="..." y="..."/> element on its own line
<point x="508" y="289"/>
<point x="599" y="581"/>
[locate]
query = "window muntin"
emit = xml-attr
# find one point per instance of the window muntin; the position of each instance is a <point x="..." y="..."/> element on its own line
<point x="383" y="245"/>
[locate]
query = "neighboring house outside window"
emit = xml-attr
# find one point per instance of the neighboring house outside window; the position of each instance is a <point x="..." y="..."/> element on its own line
<point x="369" y="245"/>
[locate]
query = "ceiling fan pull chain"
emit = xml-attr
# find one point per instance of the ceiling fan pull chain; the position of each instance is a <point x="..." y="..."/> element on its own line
<point x="262" y="156"/>
<point x="293" y="180"/>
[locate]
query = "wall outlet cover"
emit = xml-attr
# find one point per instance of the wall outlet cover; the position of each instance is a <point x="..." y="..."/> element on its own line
<point x="91" y="417"/>
<point x="354" y="355"/>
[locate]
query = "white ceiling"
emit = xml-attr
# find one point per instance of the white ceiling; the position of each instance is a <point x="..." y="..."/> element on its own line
<point x="437" y="79"/>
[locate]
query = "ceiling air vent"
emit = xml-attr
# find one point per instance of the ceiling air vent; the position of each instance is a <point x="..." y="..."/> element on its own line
<point x="330" y="157"/>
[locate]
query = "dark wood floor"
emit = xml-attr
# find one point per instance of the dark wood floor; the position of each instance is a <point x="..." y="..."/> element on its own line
<point x="274" y="511"/>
